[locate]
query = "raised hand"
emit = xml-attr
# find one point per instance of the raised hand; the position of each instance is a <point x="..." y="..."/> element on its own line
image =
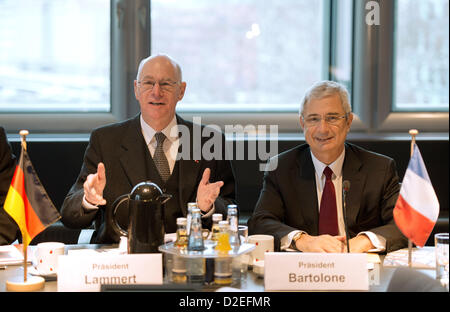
<point x="207" y="192"/>
<point x="94" y="186"/>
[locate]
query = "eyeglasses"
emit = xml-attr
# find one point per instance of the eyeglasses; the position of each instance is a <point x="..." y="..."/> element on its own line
<point x="312" y="121"/>
<point x="165" y="86"/>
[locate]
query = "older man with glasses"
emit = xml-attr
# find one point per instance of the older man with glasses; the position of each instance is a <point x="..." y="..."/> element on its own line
<point x="146" y="148"/>
<point x="301" y="203"/>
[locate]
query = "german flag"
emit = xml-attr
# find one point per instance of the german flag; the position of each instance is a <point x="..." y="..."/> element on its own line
<point x="27" y="201"/>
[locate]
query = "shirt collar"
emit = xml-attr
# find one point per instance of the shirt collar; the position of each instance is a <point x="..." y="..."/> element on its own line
<point x="149" y="133"/>
<point x="335" y="166"/>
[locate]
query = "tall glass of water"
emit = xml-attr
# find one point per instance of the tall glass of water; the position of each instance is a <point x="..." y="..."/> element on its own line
<point x="441" y="247"/>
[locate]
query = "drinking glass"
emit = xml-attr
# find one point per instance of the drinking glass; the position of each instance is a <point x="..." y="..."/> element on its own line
<point x="441" y="248"/>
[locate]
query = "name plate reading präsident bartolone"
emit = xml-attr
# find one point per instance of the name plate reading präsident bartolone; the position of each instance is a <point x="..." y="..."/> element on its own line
<point x="315" y="271"/>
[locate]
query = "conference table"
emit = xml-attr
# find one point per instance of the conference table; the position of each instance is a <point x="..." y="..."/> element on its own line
<point x="252" y="283"/>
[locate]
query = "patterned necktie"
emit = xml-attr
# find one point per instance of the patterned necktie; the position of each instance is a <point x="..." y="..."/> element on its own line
<point x="160" y="158"/>
<point x="328" y="210"/>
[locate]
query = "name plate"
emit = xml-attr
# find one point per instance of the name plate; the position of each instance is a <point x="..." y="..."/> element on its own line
<point x="315" y="271"/>
<point x="88" y="273"/>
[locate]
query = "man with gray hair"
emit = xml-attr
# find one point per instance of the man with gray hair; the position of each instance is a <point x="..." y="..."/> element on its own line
<point x="146" y="148"/>
<point x="301" y="201"/>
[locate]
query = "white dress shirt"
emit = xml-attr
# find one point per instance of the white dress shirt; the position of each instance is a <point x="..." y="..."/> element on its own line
<point x="377" y="240"/>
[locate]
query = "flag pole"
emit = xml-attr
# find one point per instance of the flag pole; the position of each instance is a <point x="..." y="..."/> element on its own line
<point x="23" y="134"/>
<point x="34" y="282"/>
<point x="413" y="133"/>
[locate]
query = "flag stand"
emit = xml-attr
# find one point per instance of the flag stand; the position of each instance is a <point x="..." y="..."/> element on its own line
<point x="413" y="133"/>
<point x="29" y="283"/>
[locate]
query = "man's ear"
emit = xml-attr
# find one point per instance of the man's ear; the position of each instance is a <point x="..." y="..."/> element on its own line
<point x="349" y="120"/>
<point x="182" y="90"/>
<point x="302" y="125"/>
<point x="135" y="90"/>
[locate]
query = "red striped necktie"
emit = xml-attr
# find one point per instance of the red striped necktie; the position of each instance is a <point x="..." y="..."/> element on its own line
<point x="328" y="211"/>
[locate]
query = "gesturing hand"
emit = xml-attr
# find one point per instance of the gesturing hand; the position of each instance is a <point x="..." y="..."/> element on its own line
<point x="207" y="192"/>
<point x="94" y="186"/>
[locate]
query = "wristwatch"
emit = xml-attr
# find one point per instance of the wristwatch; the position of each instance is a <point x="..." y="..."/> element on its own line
<point x="295" y="239"/>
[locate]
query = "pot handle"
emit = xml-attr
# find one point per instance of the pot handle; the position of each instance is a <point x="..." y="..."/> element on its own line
<point x="115" y="224"/>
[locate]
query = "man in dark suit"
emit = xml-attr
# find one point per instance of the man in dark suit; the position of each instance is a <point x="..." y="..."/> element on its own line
<point x="9" y="230"/>
<point x="121" y="155"/>
<point x="290" y="203"/>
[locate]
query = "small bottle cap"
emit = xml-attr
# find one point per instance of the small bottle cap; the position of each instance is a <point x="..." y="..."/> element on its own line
<point x="191" y="205"/>
<point x="195" y="210"/>
<point x="181" y="221"/>
<point x="217" y="217"/>
<point x="223" y="223"/>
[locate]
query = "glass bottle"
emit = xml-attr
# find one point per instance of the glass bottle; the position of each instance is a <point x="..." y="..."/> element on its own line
<point x="233" y="220"/>
<point x="182" y="238"/>
<point x="195" y="263"/>
<point x="223" y="238"/>
<point x="195" y="241"/>
<point x="222" y="265"/>
<point x="190" y="206"/>
<point x="215" y="226"/>
<point x="179" y="263"/>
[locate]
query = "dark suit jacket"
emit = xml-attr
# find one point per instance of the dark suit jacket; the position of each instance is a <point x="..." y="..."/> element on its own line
<point x="288" y="200"/>
<point x="121" y="147"/>
<point x="9" y="230"/>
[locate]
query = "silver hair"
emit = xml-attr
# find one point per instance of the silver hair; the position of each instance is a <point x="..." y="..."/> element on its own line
<point x="174" y="63"/>
<point x="324" y="89"/>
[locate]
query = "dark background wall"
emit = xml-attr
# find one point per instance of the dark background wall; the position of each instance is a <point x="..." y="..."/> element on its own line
<point x="58" y="164"/>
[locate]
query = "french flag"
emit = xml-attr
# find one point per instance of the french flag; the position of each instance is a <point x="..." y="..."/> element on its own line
<point x="417" y="207"/>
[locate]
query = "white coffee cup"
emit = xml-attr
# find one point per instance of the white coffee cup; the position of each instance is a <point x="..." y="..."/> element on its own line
<point x="264" y="243"/>
<point x="47" y="257"/>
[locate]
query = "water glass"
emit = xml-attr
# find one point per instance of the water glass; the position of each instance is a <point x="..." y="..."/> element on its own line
<point x="243" y="233"/>
<point x="441" y="248"/>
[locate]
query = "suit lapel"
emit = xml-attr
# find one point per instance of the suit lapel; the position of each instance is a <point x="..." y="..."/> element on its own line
<point x="187" y="178"/>
<point x="188" y="170"/>
<point x="352" y="173"/>
<point x="132" y="154"/>
<point x="304" y="183"/>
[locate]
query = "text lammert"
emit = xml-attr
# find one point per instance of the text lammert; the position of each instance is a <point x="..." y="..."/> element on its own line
<point x="111" y="280"/>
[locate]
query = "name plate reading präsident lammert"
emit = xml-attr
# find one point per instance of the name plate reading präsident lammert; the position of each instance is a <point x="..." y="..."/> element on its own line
<point x="88" y="273"/>
<point x="315" y="271"/>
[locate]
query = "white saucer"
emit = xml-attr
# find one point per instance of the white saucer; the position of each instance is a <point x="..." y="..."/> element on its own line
<point x="258" y="268"/>
<point x="33" y="271"/>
